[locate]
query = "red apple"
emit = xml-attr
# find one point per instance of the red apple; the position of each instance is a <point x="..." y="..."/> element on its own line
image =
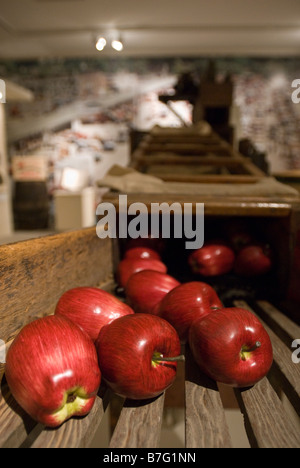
<point x="52" y="370"/>
<point x="186" y="303"/>
<point x="238" y="234"/>
<point x="231" y="346"/>
<point x="212" y="259"/>
<point x="142" y="252"/>
<point x="253" y="260"/>
<point x="91" y="308"/>
<point x="133" y="354"/>
<point x="155" y="243"/>
<point x="128" y="267"/>
<point x="145" y="289"/>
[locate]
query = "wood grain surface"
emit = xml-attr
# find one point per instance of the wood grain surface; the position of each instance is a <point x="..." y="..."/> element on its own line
<point x="139" y="424"/>
<point x="205" y="424"/>
<point x="35" y="273"/>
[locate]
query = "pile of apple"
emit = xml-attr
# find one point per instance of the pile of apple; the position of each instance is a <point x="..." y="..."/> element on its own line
<point x="230" y="345"/>
<point x="56" y="364"/>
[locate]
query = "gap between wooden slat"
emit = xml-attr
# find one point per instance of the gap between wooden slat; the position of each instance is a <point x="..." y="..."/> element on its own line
<point x="139" y="424"/>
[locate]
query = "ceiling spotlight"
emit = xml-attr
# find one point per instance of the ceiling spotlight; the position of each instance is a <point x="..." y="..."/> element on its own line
<point x="117" y="44"/>
<point x="101" y="43"/>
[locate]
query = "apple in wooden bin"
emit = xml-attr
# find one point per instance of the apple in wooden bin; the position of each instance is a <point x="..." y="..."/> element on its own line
<point x="52" y="370"/>
<point x="145" y="289"/>
<point x="231" y="346"/>
<point x="138" y="355"/>
<point x="254" y="260"/>
<point x="187" y="303"/>
<point x="91" y="308"/>
<point x="213" y="259"/>
<point x="128" y="267"/>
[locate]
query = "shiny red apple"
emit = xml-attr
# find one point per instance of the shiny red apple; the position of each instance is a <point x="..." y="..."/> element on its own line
<point x="253" y="260"/>
<point x="52" y="370"/>
<point x="128" y="267"/>
<point x="155" y="243"/>
<point x="238" y="234"/>
<point x="187" y="303"/>
<point x="91" y="308"/>
<point x="134" y="353"/>
<point x="145" y="289"/>
<point x="231" y="346"/>
<point x="142" y="252"/>
<point x="213" y="259"/>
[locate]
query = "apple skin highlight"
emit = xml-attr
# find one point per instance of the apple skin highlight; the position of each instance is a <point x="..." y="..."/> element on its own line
<point x="52" y="370"/>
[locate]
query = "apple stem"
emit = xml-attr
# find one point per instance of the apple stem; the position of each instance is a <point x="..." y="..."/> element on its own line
<point x="181" y="357"/>
<point x="257" y="345"/>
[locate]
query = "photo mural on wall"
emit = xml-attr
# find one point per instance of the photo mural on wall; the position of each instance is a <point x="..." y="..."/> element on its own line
<point x="126" y="91"/>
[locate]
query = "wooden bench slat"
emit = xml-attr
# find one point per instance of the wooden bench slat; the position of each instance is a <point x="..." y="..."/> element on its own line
<point x="76" y="432"/>
<point x="266" y="421"/>
<point x="205" y="425"/>
<point x="15" y="424"/>
<point x="192" y="148"/>
<point x="139" y="424"/>
<point x="280" y="323"/>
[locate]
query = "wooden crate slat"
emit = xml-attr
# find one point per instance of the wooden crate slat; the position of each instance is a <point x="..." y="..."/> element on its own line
<point x="207" y="160"/>
<point x="261" y="207"/>
<point x="205" y="179"/>
<point x="205" y="425"/>
<point x="76" y="432"/>
<point x="139" y="424"/>
<point x="189" y="148"/>
<point x="35" y="273"/>
<point x="15" y="424"/>
<point x="280" y="323"/>
<point x="267" y="423"/>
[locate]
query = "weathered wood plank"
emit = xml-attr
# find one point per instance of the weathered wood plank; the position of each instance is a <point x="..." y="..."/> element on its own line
<point x="205" y="425"/>
<point x="283" y="326"/>
<point x="35" y="273"/>
<point x="267" y="423"/>
<point x="185" y="176"/>
<point x="15" y="424"/>
<point x="139" y="424"/>
<point x="188" y="148"/>
<point x="214" y="205"/>
<point x="208" y="160"/>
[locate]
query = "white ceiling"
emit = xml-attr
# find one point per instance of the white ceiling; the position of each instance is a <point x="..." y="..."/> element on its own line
<point x="67" y="28"/>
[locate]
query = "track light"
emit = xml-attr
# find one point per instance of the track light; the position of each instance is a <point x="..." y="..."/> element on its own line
<point x="101" y="43"/>
<point x="117" y="44"/>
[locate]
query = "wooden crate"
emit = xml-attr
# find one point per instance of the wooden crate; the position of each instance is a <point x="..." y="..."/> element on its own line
<point x="35" y="273"/>
<point x="181" y="157"/>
